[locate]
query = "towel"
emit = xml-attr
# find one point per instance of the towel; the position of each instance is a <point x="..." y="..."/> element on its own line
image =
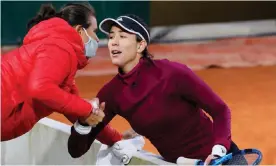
<point x="121" y="152"/>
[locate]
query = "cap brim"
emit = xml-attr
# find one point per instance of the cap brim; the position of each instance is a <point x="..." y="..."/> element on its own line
<point x="106" y="25"/>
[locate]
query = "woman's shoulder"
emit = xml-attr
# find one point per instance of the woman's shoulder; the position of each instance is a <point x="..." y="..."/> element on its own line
<point x="171" y="67"/>
<point x="60" y="43"/>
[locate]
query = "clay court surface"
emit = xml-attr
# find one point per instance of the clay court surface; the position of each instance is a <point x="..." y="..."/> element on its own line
<point x="250" y="91"/>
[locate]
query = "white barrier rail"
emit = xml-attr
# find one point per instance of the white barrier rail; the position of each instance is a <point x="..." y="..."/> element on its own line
<point x="46" y="144"/>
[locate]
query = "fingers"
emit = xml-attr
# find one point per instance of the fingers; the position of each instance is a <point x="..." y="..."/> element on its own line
<point x="100" y="111"/>
<point x="209" y="159"/>
<point x="97" y="112"/>
<point x="129" y="134"/>
<point x="100" y="115"/>
<point x="102" y="106"/>
<point x="96" y="101"/>
<point x="95" y="105"/>
<point x="93" y="120"/>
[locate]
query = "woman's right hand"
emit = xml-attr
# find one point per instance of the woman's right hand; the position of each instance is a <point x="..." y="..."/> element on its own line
<point x="96" y="115"/>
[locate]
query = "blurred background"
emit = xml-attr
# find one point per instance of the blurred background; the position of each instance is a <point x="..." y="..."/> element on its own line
<point x="230" y="45"/>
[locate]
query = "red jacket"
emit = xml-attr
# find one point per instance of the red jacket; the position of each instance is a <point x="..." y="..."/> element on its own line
<point x="38" y="79"/>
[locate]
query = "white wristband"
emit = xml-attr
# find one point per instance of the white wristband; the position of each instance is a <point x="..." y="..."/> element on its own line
<point x="83" y="130"/>
<point x="219" y="150"/>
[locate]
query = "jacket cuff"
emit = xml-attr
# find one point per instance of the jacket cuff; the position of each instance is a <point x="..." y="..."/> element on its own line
<point x="82" y="130"/>
<point x="219" y="150"/>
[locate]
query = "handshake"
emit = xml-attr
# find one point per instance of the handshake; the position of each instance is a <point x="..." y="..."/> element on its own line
<point x="97" y="114"/>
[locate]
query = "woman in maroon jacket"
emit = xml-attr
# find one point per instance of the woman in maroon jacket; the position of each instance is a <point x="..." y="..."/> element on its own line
<point x="38" y="77"/>
<point x="162" y="100"/>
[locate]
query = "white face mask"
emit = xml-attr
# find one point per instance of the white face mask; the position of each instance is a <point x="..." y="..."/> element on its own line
<point x="91" y="46"/>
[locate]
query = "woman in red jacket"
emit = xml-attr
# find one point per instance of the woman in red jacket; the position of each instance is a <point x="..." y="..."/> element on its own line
<point x="38" y="77"/>
<point x="162" y="100"/>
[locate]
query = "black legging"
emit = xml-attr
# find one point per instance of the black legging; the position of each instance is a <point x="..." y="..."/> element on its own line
<point x="238" y="159"/>
<point x="233" y="147"/>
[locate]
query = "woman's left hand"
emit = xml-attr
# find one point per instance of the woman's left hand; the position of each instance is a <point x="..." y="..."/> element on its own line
<point x="129" y="134"/>
<point x="217" y="151"/>
<point x="209" y="159"/>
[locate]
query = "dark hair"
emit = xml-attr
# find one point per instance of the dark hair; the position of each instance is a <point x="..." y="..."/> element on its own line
<point x="73" y="13"/>
<point x="145" y="53"/>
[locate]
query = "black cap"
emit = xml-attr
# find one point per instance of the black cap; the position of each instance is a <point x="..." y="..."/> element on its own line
<point x="127" y="23"/>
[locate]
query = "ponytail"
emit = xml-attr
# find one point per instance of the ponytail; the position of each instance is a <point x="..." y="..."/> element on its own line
<point x="73" y="13"/>
<point x="46" y="12"/>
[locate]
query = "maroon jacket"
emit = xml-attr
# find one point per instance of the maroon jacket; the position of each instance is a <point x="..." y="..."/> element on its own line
<point x="163" y="101"/>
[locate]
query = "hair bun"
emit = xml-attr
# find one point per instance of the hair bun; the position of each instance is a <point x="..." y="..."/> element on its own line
<point x="47" y="11"/>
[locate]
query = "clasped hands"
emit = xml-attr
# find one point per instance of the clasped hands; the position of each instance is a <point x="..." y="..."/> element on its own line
<point x="97" y="114"/>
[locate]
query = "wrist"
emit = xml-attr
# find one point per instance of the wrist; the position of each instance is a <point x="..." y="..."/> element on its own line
<point x="82" y="123"/>
<point x="82" y="129"/>
<point x="219" y="150"/>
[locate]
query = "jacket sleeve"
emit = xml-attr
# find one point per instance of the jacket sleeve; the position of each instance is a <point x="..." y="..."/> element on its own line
<point x="79" y="143"/>
<point x="191" y="87"/>
<point x="107" y="136"/>
<point x="51" y="67"/>
<point x="74" y="89"/>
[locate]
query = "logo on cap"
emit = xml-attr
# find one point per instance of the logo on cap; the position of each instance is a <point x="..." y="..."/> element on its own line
<point x="120" y="19"/>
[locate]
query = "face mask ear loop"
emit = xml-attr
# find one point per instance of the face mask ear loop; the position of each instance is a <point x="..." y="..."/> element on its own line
<point x="87" y="35"/>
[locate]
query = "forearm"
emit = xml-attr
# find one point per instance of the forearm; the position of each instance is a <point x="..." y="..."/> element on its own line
<point x="49" y="73"/>
<point x="82" y="136"/>
<point x="191" y="87"/>
<point x="81" y="139"/>
<point x="61" y="101"/>
<point x="109" y="136"/>
<point x="222" y="127"/>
